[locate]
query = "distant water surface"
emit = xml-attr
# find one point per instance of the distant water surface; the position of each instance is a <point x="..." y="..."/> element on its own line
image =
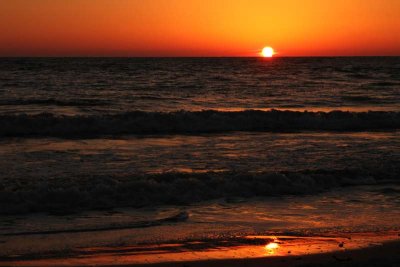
<point x="115" y="85"/>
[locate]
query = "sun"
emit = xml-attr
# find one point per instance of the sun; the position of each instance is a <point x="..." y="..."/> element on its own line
<point x="267" y="52"/>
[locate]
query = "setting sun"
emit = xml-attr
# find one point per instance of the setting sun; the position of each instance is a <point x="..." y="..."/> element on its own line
<point x="267" y="52"/>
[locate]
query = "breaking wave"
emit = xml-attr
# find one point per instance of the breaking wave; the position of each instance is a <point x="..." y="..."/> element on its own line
<point x="193" y="122"/>
<point x="179" y="217"/>
<point x="360" y="98"/>
<point x="107" y="192"/>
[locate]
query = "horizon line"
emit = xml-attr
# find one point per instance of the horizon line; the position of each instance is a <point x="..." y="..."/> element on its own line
<point x="102" y="56"/>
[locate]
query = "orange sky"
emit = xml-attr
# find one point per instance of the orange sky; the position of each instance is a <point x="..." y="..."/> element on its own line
<point x="198" y="27"/>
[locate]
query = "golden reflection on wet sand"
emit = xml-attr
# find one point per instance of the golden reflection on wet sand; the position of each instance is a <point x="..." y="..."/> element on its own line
<point x="272" y="246"/>
<point x="244" y="248"/>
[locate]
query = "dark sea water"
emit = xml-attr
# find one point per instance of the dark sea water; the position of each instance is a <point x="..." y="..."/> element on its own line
<point x="112" y="142"/>
<point x="109" y="85"/>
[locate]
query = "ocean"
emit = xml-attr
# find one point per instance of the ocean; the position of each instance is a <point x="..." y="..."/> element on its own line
<point x="92" y="86"/>
<point x="129" y="150"/>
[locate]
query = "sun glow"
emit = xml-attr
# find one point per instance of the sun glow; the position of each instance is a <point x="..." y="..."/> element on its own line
<point x="267" y="52"/>
<point x="271" y="247"/>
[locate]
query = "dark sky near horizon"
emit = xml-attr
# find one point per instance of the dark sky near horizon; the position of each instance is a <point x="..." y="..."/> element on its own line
<point x="199" y="27"/>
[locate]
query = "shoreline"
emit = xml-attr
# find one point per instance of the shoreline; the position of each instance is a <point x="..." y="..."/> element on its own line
<point x="347" y="248"/>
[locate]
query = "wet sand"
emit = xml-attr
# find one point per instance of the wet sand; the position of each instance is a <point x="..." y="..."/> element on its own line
<point x="361" y="249"/>
<point x="387" y="254"/>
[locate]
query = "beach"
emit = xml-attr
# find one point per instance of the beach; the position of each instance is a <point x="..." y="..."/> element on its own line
<point x="350" y="249"/>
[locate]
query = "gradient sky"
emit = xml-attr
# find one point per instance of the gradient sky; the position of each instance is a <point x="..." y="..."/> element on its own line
<point x="199" y="27"/>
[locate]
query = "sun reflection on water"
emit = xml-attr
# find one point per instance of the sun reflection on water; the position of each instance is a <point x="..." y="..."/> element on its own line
<point x="271" y="247"/>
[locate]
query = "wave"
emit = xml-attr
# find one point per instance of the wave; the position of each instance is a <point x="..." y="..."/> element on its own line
<point x="106" y="192"/>
<point x="180" y="217"/>
<point x="384" y="84"/>
<point x="194" y="122"/>
<point x="360" y="98"/>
